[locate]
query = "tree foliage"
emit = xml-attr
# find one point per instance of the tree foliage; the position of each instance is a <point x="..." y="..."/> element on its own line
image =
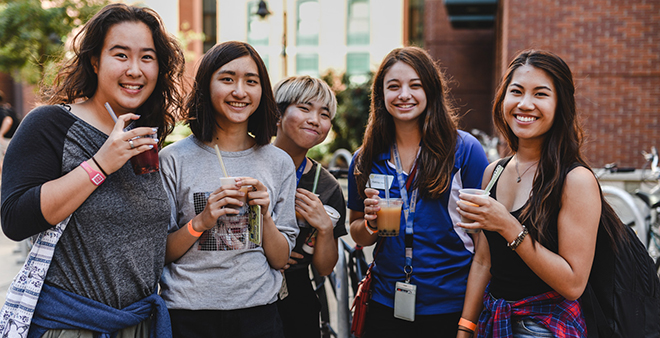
<point x="353" y="100"/>
<point x="32" y="33"/>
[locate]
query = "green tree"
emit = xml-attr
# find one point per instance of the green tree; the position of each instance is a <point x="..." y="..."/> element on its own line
<point x="32" y="33"/>
<point x="353" y="100"/>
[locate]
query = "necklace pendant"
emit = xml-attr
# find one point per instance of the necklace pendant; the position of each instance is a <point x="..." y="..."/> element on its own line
<point x="518" y="179"/>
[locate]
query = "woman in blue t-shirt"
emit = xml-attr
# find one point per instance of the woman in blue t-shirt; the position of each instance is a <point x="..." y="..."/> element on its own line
<point x="412" y="130"/>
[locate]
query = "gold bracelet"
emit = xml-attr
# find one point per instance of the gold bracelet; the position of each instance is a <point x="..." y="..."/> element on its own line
<point x="519" y="239"/>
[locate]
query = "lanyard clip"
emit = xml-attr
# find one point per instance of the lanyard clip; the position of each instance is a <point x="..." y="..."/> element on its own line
<point x="408" y="271"/>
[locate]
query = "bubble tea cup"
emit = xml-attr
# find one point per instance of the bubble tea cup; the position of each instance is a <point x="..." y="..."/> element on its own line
<point x="389" y="217"/>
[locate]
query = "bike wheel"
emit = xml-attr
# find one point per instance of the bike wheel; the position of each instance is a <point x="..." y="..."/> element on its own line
<point x="631" y="211"/>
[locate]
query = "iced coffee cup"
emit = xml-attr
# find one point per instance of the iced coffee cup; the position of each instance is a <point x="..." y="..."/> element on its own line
<point x="147" y="161"/>
<point x="478" y="192"/>
<point x="389" y="217"/>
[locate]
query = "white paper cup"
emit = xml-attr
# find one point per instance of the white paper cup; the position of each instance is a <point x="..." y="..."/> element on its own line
<point x="471" y="191"/>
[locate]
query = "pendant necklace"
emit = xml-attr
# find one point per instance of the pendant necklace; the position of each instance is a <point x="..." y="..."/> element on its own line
<point x="524" y="172"/>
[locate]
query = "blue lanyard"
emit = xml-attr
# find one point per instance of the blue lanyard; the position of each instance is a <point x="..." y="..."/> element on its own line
<point x="408" y="209"/>
<point x="300" y="170"/>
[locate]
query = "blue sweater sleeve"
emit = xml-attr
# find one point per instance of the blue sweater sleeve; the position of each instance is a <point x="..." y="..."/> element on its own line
<point x="355" y="201"/>
<point x="34" y="157"/>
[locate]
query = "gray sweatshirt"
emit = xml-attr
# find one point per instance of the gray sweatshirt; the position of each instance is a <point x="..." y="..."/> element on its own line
<point x="211" y="276"/>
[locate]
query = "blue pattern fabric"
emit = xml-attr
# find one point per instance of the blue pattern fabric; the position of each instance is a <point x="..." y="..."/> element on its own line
<point x="63" y="310"/>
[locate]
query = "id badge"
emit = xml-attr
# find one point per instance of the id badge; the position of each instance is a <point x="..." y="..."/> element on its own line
<point x="404" y="301"/>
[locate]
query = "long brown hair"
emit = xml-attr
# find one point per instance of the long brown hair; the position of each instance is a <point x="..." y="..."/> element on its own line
<point x="437" y="125"/>
<point x="77" y="79"/>
<point x="561" y="149"/>
<point x="200" y="114"/>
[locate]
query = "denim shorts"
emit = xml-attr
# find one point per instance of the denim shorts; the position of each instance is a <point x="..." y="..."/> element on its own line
<point x="527" y="328"/>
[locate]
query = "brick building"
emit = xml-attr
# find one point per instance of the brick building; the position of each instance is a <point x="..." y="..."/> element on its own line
<point x="612" y="47"/>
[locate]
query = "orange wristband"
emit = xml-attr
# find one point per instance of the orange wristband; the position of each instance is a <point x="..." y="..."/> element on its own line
<point x="467" y="324"/>
<point x="192" y="231"/>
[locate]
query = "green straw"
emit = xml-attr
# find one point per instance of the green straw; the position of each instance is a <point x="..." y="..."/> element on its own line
<point x="316" y="177"/>
<point x="493" y="179"/>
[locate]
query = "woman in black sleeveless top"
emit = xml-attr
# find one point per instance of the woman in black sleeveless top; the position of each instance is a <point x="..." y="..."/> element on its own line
<point x="540" y="224"/>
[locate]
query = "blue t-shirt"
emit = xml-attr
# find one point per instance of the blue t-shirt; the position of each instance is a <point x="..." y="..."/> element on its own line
<point x="442" y="251"/>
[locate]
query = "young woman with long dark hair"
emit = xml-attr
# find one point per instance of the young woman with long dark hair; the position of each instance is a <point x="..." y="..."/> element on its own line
<point x="541" y="221"/>
<point x="412" y="149"/>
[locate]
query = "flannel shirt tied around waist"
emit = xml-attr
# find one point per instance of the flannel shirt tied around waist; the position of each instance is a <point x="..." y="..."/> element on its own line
<point x="562" y="317"/>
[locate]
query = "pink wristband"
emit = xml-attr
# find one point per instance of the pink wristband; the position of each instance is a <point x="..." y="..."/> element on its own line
<point x="96" y="177"/>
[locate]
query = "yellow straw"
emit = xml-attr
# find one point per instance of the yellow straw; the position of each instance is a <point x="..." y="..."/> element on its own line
<point x="222" y="164"/>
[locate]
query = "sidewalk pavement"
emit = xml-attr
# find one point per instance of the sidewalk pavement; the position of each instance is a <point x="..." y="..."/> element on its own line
<point x="11" y="261"/>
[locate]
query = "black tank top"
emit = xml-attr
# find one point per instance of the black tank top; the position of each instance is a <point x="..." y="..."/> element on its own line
<point x="511" y="278"/>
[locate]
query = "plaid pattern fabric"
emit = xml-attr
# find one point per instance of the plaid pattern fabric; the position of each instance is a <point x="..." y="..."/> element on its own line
<point x="562" y="317"/>
<point x="24" y="290"/>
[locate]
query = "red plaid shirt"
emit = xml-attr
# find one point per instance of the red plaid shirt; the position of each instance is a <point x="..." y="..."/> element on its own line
<point x="562" y="317"/>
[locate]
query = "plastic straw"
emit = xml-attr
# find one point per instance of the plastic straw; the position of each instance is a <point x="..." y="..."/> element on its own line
<point x="387" y="191"/>
<point x="222" y="164"/>
<point x="316" y="177"/>
<point x="112" y="112"/>
<point x="493" y="179"/>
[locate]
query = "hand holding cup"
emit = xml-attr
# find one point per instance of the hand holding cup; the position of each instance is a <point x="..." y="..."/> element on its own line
<point x="257" y="194"/>
<point x="465" y="206"/>
<point x="117" y="148"/>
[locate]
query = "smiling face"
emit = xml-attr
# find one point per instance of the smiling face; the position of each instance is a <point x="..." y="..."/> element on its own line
<point x="405" y="98"/>
<point x="236" y="91"/>
<point x="530" y="103"/>
<point x="304" y="125"/>
<point x="127" y="68"/>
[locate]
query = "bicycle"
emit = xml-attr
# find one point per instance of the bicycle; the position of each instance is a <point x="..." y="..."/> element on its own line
<point x="652" y="201"/>
<point x="640" y="209"/>
<point x="351" y="267"/>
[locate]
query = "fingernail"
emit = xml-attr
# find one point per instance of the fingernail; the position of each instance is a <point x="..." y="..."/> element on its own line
<point x="151" y="146"/>
<point x="155" y="130"/>
<point x="138" y="115"/>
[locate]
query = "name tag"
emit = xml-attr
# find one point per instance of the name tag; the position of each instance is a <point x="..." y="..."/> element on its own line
<point x="377" y="181"/>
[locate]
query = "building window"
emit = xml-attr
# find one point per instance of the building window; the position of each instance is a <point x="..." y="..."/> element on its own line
<point x="209" y="24"/>
<point x="358" y="22"/>
<point x="257" y="31"/>
<point x="307" y="64"/>
<point x="309" y="16"/>
<point x="416" y="23"/>
<point x="357" y="67"/>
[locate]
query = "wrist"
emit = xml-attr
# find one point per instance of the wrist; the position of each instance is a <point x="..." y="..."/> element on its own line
<point x="371" y="230"/>
<point x="192" y="231"/>
<point x="513" y="245"/>
<point x="95" y="176"/>
<point x="466" y="325"/>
